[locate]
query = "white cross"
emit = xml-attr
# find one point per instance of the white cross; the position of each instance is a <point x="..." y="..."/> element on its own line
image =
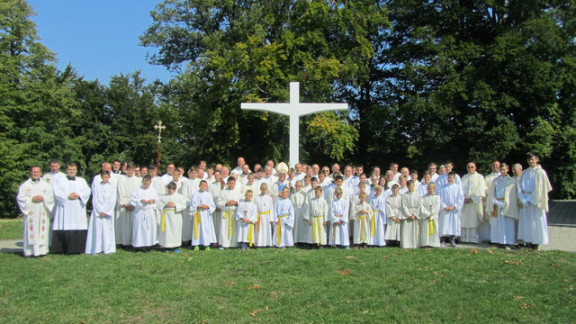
<point x="294" y="109"/>
<point x="159" y="127"/>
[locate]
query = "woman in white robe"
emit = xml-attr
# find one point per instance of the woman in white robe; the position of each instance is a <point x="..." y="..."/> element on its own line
<point x="429" y="218"/>
<point x="144" y="217"/>
<point x="101" y="236"/>
<point x="171" y="206"/>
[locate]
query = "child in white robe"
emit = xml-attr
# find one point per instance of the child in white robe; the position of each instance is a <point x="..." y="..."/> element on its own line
<point x="265" y="208"/>
<point x="317" y="217"/>
<point x="339" y="210"/>
<point x="171" y="207"/>
<point x="298" y="199"/>
<point x="378" y="226"/>
<point x="246" y="216"/>
<point x="429" y="218"/>
<point x="201" y="208"/>
<point x="410" y="215"/>
<point x="451" y="203"/>
<point x="144" y="216"/>
<point x="228" y="202"/>
<point x="101" y="236"/>
<point x="283" y="220"/>
<point x="393" y="210"/>
<point x="361" y="214"/>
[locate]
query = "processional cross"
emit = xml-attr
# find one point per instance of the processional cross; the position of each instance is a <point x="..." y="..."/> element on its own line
<point x="159" y="127"/>
<point x="294" y="109"/>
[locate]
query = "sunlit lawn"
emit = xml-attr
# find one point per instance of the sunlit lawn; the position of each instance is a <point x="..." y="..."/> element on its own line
<point x="292" y="286"/>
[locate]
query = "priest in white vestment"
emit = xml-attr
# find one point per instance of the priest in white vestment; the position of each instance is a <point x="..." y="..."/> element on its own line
<point x="101" y="237"/>
<point x="70" y="220"/>
<point x="474" y="189"/>
<point x="533" y="190"/>
<point x="36" y="201"/>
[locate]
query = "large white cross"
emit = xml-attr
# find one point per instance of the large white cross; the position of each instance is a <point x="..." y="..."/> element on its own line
<point x="294" y="109"/>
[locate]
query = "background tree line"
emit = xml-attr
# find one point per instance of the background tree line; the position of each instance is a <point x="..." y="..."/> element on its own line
<point x="426" y="81"/>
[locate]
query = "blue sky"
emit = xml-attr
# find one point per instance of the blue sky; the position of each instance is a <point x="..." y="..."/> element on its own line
<point x="98" y="38"/>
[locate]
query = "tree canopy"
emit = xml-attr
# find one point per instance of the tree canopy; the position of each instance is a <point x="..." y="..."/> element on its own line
<point x="427" y="81"/>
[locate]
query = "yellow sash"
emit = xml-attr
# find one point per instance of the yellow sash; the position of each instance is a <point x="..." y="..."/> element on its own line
<point x="431" y="227"/>
<point x="279" y="229"/>
<point x="251" y="233"/>
<point x="362" y="234"/>
<point x="229" y="216"/>
<point x="258" y="222"/>
<point x="196" y="223"/>
<point x="316" y="230"/>
<point x="374" y="213"/>
<point x="164" y="212"/>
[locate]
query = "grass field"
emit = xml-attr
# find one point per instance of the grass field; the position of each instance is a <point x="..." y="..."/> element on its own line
<point x="292" y="286"/>
<point x="10" y="229"/>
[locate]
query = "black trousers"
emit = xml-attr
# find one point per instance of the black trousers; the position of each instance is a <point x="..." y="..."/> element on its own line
<point x="69" y="242"/>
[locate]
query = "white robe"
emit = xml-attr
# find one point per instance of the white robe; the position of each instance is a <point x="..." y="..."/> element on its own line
<point x="410" y="231"/>
<point x="450" y="221"/>
<point x="36" y="222"/>
<point x="393" y="210"/>
<point x="265" y="207"/>
<point x="184" y="187"/>
<point x="123" y="218"/>
<point x="299" y="202"/>
<point x="502" y="208"/>
<point x="317" y="213"/>
<point x="228" y="232"/>
<point x="170" y="227"/>
<point x="203" y="223"/>
<point x="429" y="235"/>
<point x="474" y="188"/>
<point x="339" y="211"/>
<point x="144" y="225"/>
<point x="284" y="222"/>
<point x="246" y="231"/>
<point x="70" y="214"/>
<point x="362" y="222"/>
<point x="533" y="190"/>
<point x="378" y="227"/>
<point x="215" y="188"/>
<point x="101" y="236"/>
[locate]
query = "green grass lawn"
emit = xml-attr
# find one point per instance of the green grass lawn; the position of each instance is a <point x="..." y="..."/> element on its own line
<point x="292" y="286"/>
<point x="11" y="229"/>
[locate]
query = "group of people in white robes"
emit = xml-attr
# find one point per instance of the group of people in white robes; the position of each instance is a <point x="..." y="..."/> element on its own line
<point x="273" y="207"/>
